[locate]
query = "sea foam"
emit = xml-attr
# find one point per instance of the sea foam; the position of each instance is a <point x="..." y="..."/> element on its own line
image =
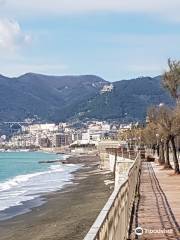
<point x="22" y="188"/>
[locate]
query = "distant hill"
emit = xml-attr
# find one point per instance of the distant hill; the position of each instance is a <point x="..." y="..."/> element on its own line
<point x="45" y="96"/>
<point x="128" y="101"/>
<point x="59" y="98"/>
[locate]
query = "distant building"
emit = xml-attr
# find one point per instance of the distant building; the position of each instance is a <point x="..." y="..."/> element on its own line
<point x="45" y="142"/>
<point x="77" y="136"/>
<point x="124" y="127"/>
<point x="51" y="127"/>
<point x="60" y="140"/>
<point x="107" y="88"/>
<point x="106" y="127"/>
<point x="85" y="136"/>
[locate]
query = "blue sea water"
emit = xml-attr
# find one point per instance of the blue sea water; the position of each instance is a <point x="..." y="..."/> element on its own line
<point x="23" y="179"/>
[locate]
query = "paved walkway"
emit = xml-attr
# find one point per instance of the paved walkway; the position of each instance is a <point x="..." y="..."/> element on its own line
<point x="157" y="209"/>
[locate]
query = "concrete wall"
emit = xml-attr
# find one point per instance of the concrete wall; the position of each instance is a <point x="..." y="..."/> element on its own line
<point x="104" y="156"/>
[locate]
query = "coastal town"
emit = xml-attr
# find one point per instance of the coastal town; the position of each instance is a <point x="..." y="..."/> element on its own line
<point x="89" y="120"/>
<point x="54" y="137"/>
<point x="125" y="172"/>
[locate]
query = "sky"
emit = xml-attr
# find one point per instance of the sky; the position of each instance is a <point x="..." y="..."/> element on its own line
<point x="114" y="39"/>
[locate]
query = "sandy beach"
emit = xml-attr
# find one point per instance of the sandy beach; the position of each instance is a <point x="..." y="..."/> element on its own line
<point x="67" y="214"/>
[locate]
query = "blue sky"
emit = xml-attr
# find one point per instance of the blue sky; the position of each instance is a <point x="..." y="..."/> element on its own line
<point x="114" y="39"/>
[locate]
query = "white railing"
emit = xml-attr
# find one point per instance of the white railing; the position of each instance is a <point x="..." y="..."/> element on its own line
<point x="114" y="219"/>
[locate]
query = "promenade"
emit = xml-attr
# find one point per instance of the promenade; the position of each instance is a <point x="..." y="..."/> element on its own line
<point x="144" y="205"/>
<point x="157" y="209"/>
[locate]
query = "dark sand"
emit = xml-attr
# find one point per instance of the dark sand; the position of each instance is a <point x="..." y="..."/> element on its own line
<point x="69" y="213"/>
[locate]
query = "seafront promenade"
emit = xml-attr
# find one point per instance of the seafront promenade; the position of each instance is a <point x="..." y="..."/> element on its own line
<point x="157" y="209"/>
<point x="151" y="197"/>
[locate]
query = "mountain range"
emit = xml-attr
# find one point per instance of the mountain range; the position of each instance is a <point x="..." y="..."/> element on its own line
<point x="61" y="98"/>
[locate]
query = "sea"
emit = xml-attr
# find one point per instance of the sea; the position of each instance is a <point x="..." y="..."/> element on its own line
<point x="24" y="181"/>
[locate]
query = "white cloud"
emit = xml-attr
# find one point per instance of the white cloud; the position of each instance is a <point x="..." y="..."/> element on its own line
<point x="12" y="36"/>
<point x="167" y="8"/>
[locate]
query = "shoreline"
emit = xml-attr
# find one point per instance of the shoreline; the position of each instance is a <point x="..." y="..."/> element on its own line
<point x="26" y="188"/>
<point x="28" y="205"/>
<point x="67" y="213"/>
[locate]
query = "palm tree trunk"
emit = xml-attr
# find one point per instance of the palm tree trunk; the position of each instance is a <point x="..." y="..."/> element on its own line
<point x="175" y="158"/>
<point x="167" y="161"/>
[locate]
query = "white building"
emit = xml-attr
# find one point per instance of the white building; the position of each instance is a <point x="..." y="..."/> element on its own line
<point x="107" y="88"/>
<point x="50" y="127"/>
